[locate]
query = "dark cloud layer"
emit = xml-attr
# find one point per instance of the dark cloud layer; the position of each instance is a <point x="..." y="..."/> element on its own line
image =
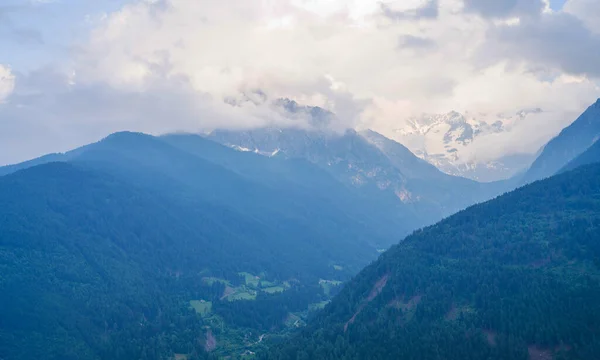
<point x="415" y="42"/>
<point x="21" y="35"/>
<point x="557" y="40"/>
<point x="10" y="31"/>
<point x="504" y="8"/>
<point x="429" y="10"/>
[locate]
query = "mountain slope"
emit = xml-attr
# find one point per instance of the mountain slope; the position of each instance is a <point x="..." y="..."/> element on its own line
<point x="397" y="179"/>
<point x="86" y="264"/>
<point x="288" y="212"/>
<point x="145" y="227"/>
<point x="9" y="169"/>
<point x="570" y="143"/>
<point x="190" y="168"/>
<point x="403" y="158"/>
<point x="590" y="156"/>
<point x="310" y="181"/>
<point x="514" y="278"/>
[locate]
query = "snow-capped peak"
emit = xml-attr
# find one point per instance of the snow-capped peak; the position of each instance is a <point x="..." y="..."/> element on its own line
<point x="444" y="139"/>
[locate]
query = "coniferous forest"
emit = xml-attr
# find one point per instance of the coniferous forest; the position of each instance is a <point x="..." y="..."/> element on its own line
<point x="513" y="278"/>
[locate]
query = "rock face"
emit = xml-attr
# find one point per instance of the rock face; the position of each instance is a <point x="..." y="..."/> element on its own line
<point x="570" y="143"/>
<point x="445" y="141"/>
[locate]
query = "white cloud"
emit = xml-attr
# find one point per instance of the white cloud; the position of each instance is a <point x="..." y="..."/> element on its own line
<point x="287" y="48"/>
<point x="7" y="82"/>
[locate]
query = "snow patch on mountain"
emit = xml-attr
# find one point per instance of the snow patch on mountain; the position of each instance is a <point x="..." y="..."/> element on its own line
<point x="446" y="141"/>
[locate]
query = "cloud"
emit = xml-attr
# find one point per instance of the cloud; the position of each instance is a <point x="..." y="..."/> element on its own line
<point x="49" y="112"/>
<point x="428" y="10"/>
<point x="588" y="11"/>
<point x="505" y="8"/>
<point x="564" y="100"/>
<point x="287" y="49"/>
<point x="372" y="62"/>
<point x="415" y="42"/>
<point x="7" y="83"/>
<point x="559" y="40"/>
<point x="22" y="35"/>
<point x="8" y="8"/>
<point x="12" y="14"/>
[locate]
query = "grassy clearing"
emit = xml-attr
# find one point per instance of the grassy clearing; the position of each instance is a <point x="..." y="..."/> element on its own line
<point x="251" y="280"/>
<point x="318" y="306"/>
<point x="328" y="285"/>
<point x="267" y="284"/>
<point x="204" y="308"/>
<point x="274" y="289"/>
<point x="242" y="294"/>
<point x="294" y="321"/>
<point x="211" y="280"/>
<point x="457" y="311"/>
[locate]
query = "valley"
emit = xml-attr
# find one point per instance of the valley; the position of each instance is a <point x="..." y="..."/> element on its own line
<point x="189" y="247"/>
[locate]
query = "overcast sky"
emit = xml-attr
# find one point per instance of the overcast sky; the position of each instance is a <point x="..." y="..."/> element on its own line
<point x="72" y="71"/>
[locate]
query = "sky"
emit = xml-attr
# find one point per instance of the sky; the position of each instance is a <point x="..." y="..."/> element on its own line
<point x="73" y="71"/>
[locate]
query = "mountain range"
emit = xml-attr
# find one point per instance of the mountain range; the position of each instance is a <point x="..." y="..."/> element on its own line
<point x="133" y="229"/>
<point x="378" y="167"/>
<point x="262" y="239"/>
<point x="236" y="243"/>
<point x="446" y="140"/>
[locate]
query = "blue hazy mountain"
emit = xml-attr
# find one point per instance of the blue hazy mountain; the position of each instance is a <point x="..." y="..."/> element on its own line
<point x="371" y="164"/>
<point x="590" y="156"/>
<point x="103" y="251"/>
<point x="299" y="176"/>
<point x="566" y="146"/>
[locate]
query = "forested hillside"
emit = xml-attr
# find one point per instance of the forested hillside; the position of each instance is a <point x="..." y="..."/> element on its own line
<point x="88" y="268"/>
<point x="299" y="177"/>
<point x="190" y="167"/>
<point x="514" y="278"/>
<point x="105" y="255"/>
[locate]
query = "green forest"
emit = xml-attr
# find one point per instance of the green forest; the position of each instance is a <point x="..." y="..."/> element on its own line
<point x="93" y="268"/>
<point x="514" y="278"/>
